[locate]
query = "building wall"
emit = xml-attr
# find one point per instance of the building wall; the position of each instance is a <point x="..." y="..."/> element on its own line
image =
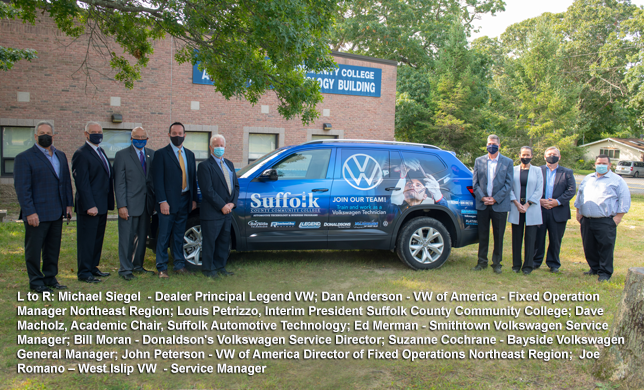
<point x="55" y="87"/>
<point x="625" y="152"/>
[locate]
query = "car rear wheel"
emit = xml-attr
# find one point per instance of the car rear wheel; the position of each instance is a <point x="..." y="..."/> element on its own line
<point x="192" y="244"/>
<point x="424" y="243"/>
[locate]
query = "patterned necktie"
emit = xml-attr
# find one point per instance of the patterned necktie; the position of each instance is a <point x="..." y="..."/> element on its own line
<point x="184" y="182"/>
<point x="226" y="176"/>
<point x="142" y="162"/>
<point x="100" y="153"/>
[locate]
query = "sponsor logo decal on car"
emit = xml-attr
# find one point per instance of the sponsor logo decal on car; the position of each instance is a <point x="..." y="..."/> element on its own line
<point x="257" y="224"/>
<point x="369" y="170"/>
<point x="338" y="224"/>
<point x="282" y="224"/>
<point x="310" y="225"/>
<point x="365" y="225"/>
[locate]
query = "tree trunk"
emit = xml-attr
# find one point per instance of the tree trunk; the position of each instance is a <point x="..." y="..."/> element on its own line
<point x="625" y="362"/>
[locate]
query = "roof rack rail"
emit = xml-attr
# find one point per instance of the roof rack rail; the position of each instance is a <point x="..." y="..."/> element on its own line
<point x="371" y="141"/>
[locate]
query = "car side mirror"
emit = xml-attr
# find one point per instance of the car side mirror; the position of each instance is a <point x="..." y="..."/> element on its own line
<point x="268" y="175"/>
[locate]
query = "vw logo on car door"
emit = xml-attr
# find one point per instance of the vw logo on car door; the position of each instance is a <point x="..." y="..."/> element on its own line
<point x="362" y="172"/>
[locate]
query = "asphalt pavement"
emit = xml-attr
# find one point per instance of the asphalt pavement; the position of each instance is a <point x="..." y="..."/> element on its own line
<point x="636" y="185"/>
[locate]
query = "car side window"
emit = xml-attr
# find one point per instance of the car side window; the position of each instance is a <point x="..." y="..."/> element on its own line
<point x="304" y="165"/>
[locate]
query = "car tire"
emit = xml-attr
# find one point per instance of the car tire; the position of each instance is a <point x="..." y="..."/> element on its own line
<point x="192" y="244"/>
<point x="424" y="243"/>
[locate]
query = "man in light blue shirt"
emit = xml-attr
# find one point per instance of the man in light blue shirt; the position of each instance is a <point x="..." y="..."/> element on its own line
<point x="602" y="200"/>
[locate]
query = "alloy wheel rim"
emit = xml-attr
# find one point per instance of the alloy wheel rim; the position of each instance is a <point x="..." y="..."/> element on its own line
<point x="426" y="245"/>
<point x="192" y="241"/>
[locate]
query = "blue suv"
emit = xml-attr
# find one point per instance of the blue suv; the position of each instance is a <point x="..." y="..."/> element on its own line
<point x="414" y="199"/>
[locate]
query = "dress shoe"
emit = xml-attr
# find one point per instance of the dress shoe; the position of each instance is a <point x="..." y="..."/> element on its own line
<point x="479" y="267"/>
<point x="226" y="273"/>
<point x="128" y="277"/>
<point x="527" y="271"/>
<point x="163" y="274"/>
<point x="99" y="273"/>
<point x="590" y="272"/>
<point x="41" y="289"/>
<point x="58" y="286"/>
<point x="516" y="271"/>
<point x="554" y="270"/>
<point x="90" y="279"/>
<point x="182" y="271"/>
<point x="497" y="269"/>
<point x="142" y="271"/>
<point x="603" y="278"/>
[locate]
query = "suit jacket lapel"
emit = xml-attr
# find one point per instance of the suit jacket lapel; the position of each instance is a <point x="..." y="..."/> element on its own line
<point x="45" y="160"/>
<point x="94" y="153"/>
<point x="220" y="173"/>
<point x="558" y="176"/>
<point x="174" y="158"/>
<point x="135" y="155"/>
<point x="147" y="160"/>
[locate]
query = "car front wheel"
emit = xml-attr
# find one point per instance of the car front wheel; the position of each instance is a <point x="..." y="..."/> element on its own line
<point x="424" y="243"/>
<point x="192" y="244"/>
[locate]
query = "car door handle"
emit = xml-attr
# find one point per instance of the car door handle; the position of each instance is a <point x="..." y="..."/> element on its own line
<point x="320" y="190"/>
<point x="392" y="189"/>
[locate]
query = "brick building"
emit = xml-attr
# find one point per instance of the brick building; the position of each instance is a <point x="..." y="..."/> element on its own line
<point x="359" y="101"/>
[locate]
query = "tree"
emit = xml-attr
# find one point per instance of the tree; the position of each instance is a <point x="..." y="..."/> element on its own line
<point x="247" y="47"/>
<point x="9" y="56"/>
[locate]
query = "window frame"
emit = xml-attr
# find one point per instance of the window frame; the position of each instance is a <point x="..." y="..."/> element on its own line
<point x="3" y="160"/>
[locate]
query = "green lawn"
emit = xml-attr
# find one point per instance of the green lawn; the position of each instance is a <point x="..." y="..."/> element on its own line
<point x="335" y="272"/>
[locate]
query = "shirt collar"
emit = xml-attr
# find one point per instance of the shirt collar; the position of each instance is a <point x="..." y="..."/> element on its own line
<point x="552" y="170"/>
<point x="53" y="149"/>
<point x="493" y="159"/>
<point x="176" y="150"/>
<point x="218" y="160"/>
<point x="92" y="145"/>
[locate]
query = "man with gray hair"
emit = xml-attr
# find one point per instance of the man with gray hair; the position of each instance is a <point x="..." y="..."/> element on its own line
<point x="44" y="189"/>
<point x="135" y="201"/>
<point x="492" y="179"/>
<point x="219" y="191"/>
<point x="558" y="188"/>
<point x="93" y="177"/>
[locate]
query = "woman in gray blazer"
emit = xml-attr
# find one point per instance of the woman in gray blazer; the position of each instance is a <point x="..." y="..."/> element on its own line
<point x="525" y="212"/>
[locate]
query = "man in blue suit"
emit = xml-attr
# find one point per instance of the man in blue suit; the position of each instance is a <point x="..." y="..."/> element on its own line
<point x="220" y="191"/>
<point x="94" y="178"/>
<point x="559" y="187"/>
<point x="175" y="184"/>
<point x="492" y="181"/>
<point x="44" y="188"/>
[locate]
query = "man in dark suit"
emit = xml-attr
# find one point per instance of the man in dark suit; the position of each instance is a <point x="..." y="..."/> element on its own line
<point x="220" y="191"/>
<point x="93" y="176"/>
<point x="492" y="180"/>
<point x="175" y="186"/>
<point x="559" y="187"/>
<point x="132" y="168"/>
<point x="44" y="189"/>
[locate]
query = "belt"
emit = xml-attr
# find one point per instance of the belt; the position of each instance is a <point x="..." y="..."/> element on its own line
<point x="187" y="193"/>
<point x="599" y="217"/>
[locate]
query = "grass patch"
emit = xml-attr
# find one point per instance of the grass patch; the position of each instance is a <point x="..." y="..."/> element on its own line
<point x="583" y="171"/>
<point x="336" y="272"/>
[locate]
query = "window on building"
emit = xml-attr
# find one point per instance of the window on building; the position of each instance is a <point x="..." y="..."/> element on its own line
<point x="612" y="153"/>
<point x="260" y="144"/>
<point x="115" y="140"/>
<point x="14" y="141"/>
<point x="317" y="137"/>
<point x="198" y="142"/>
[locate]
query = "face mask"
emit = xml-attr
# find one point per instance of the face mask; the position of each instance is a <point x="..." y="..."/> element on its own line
<point x="526" y="161"/>
<point x="552" y="159"/>
<point x="218" y="151"/>
<point x="139" y="143"/>
<point x="96" y="138"/>
<point x="492" y="149"/>
<point x="45" y="140"/>
<point x="177" y="141"/>
<point x="601" y="168"/>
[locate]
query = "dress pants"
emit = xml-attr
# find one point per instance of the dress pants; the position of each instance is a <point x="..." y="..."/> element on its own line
<point x="90" y="233"/>
<point x="172" y="228"/>
<point x="498" y="220"/>
<point x="556" y="232"/>
<point x="216" y="241"/>
<point x="132" y="235"/>
<point x="517" y="242"/>
<point x="598" y="237"/>
<point x="43" y="239"/>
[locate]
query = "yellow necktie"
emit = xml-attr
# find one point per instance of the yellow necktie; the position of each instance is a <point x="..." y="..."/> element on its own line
<point x="184" y="182"/>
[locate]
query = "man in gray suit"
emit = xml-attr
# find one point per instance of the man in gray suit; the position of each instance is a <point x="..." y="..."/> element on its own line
<point x="492" y="180"/>
<point x="134" y="199"/>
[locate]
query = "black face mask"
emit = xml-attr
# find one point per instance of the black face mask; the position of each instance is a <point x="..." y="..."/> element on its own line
<point x="45" y="140"/>
<point x="552" y="159"/>
<point x="177" y="141"/>
<point x="526" y="161"/>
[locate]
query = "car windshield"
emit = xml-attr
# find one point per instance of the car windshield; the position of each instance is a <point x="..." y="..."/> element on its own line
<point x="624" y="163"/>
<point x="255" y="165"/>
